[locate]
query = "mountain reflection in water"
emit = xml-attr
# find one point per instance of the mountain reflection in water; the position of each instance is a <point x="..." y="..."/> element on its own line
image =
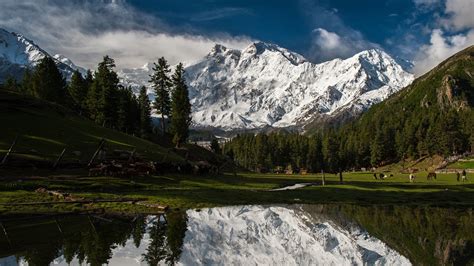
<point x="296" y="234"/>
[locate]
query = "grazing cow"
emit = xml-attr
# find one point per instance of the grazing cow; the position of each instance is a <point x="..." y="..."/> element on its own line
<point x="412" y="178"/>
<point x="145" y="168"/>
<point x="375" y="176"/>
<point x="431" y="176"/>
<point x="381" y="176"/>
<point x="114" y="169"/>
<point x="100" y="169"/>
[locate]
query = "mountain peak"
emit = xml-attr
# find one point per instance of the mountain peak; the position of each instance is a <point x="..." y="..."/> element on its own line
<point x="18" y="53"/>
<point x="267" y="85"/>
<point x="218" y="49"/>
<point x="258" y="48"/>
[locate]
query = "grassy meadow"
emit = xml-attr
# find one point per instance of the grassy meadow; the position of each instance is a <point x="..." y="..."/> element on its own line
<point x="178" y="191"/>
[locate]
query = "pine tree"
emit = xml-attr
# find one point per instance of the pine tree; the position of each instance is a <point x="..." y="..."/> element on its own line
<point x="48" y="83"/>
<point x="215" y="147"/>
<point x="11" y="84"/>
<point x="123" y="107"/>
<point x="92" y="101"/>
<point x="102" y="97"/>
<point x="108" y="100"/>
<point x="78" y="90"/>
<point x="180" y="107"/>
<point x="331" y="152"/>
<point x="161" y="84"/>
<point x="145" y="113"/>
<point x="26" y="86"/>
<point x="88" y="79"/>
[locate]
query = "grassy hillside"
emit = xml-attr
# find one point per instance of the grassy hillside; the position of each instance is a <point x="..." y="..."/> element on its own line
<point x="44" y="129"/>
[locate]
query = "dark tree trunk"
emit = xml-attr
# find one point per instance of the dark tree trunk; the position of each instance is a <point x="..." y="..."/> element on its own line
<point x="162" y="124"/>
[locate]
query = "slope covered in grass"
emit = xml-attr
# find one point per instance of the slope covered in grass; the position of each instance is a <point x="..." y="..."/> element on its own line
<point x="44" y="129"/>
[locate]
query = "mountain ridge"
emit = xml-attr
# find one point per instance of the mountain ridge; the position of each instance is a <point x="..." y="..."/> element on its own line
<point x="261" y="86"/>
<point x="269" y="86"/>
<point x="18" y="53"/>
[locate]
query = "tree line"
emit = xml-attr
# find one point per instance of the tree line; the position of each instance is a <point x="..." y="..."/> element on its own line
<point x="356" y="145"/>
<point x="387" y="133"/>
<point x="100" y="97"/>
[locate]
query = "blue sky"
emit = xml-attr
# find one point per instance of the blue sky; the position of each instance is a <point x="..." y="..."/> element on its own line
<point x="291" y="23"/>
<point x="138" y="31"/>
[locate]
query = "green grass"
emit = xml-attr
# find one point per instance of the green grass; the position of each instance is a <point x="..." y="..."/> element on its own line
<point x="462" y="165"/>
<point x="44" y="129"/>
<point x="179" y="191"/>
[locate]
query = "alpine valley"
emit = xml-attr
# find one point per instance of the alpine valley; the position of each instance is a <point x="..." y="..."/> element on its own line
<point x="263" y="86"/>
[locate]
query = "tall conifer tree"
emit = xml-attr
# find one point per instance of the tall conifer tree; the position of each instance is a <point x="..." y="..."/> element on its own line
<point x="161" y="84"/>
<point x="78" y="90"/>
<point x="145" y="113"/>
<point x="47" y="82"/>
<point x="180" y="107"/>
<point x="102" y="98"/>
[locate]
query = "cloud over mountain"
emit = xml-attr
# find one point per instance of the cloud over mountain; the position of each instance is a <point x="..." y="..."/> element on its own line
<point x="87" y="30"/>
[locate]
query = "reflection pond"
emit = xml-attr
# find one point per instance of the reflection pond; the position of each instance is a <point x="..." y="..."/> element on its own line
<point x="246" y="235"/>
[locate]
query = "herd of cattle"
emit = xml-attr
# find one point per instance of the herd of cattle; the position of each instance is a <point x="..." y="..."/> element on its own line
<point x="122" y="168"/>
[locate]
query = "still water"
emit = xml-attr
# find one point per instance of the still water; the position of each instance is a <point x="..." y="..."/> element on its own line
<point x="247" y="235"/>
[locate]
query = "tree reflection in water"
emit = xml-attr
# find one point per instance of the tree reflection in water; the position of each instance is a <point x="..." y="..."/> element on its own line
<point x="425" y="235"/>
<point x="91" y="240"/>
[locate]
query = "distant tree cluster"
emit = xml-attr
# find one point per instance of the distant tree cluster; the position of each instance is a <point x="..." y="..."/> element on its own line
<point x="382" y="136"/>
<point x="280" y="150"/>
<point x="359" y="144"/>
<point x="100" y="97"/>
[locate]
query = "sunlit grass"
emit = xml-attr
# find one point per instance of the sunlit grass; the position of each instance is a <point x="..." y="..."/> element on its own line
<point x="180" y="191"/>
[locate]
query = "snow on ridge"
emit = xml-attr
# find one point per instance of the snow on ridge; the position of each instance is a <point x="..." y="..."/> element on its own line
<point x="266" y="85"/>
<point x="19" y="52"/>
<point x="271" y="86"/>
<point x="259" y="235"/>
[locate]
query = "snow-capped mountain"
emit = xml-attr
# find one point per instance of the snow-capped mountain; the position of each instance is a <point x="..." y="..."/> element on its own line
<point x="18" y="53"/>
<point x="266" y="85"/>
<point x="262" y="235"/>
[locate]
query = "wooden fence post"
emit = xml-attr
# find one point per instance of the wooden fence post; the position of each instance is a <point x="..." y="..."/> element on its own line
<point x="324" y="178"/>
<point x="101" y="144"/>
<point x="59" y="159"/>
<point x="6" y="235"/>
<point x="130" y="158"/>
<point x="9" y="151"/>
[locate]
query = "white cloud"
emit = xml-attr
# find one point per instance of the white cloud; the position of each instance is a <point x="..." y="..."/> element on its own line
<point x="454" y="31"/>
<point x="86" y="30"/>
<point x="327" y="45"/>
<point x="331" y="37"/>
<point x="426" y="2"/>
<point x="440" y="48"/>
<point x="460" y="14"/>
